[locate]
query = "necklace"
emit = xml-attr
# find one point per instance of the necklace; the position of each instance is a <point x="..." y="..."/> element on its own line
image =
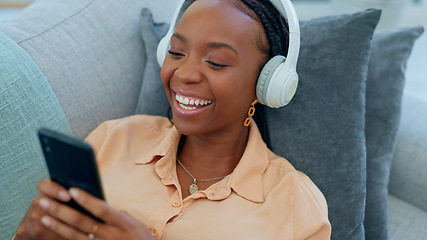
<point x="193" y="187"/>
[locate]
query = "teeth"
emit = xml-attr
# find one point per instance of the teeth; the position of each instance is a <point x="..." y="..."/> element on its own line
<point x="187" y="108"/>
<point x="186" y="101"/>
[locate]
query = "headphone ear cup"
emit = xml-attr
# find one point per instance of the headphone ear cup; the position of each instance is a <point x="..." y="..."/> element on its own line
<point x="164" y="44"/>
<point x="265" y="77"/>
<point x="162" y="49"/>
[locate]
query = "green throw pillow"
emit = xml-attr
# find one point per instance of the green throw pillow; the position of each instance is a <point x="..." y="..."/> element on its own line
<point x="26" y="104"/>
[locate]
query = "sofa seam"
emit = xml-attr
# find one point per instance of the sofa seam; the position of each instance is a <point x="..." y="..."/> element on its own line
<point x="57" y="24"/>
<point x="406" y="202"/>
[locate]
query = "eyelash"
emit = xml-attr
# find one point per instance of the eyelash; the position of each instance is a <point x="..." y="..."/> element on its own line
<point x="216" y="65"/>
<point x="175" y="54"/>
<point x="213" y="64"/>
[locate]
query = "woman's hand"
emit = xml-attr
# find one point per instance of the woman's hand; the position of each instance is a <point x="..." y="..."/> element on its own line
<point x="71" y="224"/>
<point x="31" y="226"/>
<point x="49" y="219"/>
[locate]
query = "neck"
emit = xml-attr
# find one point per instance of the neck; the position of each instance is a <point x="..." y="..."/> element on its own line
<point x="213" y="155"/>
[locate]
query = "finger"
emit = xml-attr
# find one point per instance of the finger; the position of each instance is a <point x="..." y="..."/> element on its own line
<point x="69" y="216"/>
<point x="31" y="226"/>
<point x="53" y="190"/>
<point x="96" y="206"/>
<point x="62" y="229"/>
<point x="118" y="223"/>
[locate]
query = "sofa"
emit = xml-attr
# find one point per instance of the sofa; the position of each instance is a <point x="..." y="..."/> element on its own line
<point x="351" y="127"/>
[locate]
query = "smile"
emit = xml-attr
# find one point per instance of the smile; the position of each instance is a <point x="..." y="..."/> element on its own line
<point x="191" y="103"/>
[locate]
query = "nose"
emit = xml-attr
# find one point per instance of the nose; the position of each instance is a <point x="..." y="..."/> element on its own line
<point x="189" y="71"/>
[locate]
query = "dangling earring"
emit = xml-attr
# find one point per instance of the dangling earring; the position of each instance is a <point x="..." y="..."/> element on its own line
<point x="251" y="112"/>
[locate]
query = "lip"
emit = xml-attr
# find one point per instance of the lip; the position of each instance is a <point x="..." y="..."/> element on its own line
<point x="188" y="112"/>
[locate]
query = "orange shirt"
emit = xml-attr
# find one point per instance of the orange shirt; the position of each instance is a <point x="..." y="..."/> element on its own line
<point x="263" y="198"/>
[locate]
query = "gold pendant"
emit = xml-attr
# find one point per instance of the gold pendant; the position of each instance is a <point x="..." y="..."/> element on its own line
<point x="193" y="188"/>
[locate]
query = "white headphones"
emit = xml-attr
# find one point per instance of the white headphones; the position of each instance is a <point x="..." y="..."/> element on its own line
<point x="278" y="80"/>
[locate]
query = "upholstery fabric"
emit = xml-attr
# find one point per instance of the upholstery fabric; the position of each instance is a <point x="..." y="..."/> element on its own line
<point x="406" y="221"/>
<point x="77" y="44"/>
<point x="321" y="134"/>
<point x="152" y="91"/>
<point x="383" y="103"/>
<point x="26" y="103"/>
<point x="409" y="180"/>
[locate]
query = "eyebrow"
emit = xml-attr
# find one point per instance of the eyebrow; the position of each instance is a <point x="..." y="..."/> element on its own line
<point x="214" y="45"/>
<point x="217" y="45"/>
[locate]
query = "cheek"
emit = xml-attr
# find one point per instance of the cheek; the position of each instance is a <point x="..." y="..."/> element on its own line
<point x="249" y="83"/>
<point x="165" y="75"/>
<point x="238" y="92"/>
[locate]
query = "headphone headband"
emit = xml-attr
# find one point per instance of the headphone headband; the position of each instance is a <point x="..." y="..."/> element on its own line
<point x="287" y="10"/>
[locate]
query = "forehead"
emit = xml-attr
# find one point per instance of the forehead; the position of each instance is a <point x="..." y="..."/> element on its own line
<point x="219" y="19"/>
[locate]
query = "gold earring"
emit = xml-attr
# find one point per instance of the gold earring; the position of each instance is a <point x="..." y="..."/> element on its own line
<point x="251" y="112"/>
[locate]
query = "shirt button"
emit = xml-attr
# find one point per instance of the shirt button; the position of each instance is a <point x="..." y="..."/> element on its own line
<point x="154" y="232"/>
<point x="176" y="204"/>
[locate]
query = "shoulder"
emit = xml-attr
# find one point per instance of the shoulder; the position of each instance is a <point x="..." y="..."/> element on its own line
<point x="146" y="122"/>
<point x="129" y="129"/>
<point x="280" y="169"/>
<point x="136" y="124"/>
<point x="309" y="209"/>
<point x="283" y="174"/>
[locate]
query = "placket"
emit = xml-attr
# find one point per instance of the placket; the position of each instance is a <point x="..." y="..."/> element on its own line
<point x="159" y="218"/>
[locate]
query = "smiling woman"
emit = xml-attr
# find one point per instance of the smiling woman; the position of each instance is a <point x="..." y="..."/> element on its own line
<point x="204" y="174"/>
<point x="213" y="59"/>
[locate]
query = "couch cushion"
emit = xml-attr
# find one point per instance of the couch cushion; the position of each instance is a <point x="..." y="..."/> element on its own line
<point x="152" y="90"/>
<point x="383" y="103"/>
<point x="26" y="103"/>
<point x="408" y="179"/>
<point x="406" y="221"/>
<point x="91" y="47"/>
<point x="321" y="134"/>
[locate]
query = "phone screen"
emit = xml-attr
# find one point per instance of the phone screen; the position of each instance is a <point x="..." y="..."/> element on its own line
<point x="71" y="163"/>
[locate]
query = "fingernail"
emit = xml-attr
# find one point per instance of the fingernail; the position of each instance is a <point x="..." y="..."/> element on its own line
<point x="64" y="196"/>
<point x="74" y="193"/>
<point x="46" y="221"/>
<point x="44" y="203"/>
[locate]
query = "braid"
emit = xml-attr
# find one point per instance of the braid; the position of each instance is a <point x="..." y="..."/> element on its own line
<point x="275" y="26"/>
<point x="277" y="31"/>
<point x="261" y="120"/>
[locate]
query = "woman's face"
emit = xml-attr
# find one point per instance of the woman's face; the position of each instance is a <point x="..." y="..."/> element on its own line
<point x="212" y="67"/>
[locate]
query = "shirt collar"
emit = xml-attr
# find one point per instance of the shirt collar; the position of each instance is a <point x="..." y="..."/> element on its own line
<point x="166" y="145"/>
<point x="245" y="180"/>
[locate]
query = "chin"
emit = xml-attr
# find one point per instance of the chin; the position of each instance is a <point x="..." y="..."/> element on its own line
<point x="189" y="128"/>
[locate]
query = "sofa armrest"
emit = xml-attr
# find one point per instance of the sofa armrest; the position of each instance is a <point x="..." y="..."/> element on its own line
<point x="405" y="220"/>
<point x="408" y="178"/>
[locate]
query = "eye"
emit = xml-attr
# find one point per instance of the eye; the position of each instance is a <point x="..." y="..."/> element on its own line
<point x="216" y="65"/>
<point x="175" y="54"/>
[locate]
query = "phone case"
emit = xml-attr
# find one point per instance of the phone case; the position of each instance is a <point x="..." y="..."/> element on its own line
<point x="71" y="163"/>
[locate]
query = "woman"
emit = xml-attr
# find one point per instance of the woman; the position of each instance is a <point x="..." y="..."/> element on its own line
<point x="206" y="175"/>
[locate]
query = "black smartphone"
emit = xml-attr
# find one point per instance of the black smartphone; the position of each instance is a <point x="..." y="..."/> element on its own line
<point x="71" y="163"/>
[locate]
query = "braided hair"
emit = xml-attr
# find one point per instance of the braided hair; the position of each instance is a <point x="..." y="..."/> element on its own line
<point x="277" y="32"/>
<point x="275" y="25"/>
